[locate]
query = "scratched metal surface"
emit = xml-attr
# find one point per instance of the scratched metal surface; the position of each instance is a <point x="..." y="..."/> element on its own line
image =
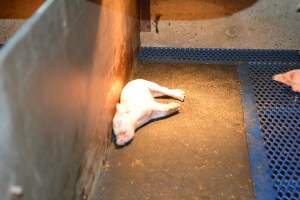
<point x="60" y="77"/>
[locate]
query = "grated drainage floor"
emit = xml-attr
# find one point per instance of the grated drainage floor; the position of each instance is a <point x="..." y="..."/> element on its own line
<point x="279" y="118"/>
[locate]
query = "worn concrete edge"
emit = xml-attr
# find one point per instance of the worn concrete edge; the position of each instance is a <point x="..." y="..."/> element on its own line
<point x="261" y="173"/>
<point x="25" y="29"/>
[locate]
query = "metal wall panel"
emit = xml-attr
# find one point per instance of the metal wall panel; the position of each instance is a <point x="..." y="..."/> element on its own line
<point x="60" y="78"/>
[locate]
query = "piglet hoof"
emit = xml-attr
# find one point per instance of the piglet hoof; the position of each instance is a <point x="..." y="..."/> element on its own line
<point x="178" y="94"/>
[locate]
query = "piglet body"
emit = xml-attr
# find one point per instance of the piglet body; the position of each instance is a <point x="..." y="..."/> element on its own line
<point x="137" y="106"/>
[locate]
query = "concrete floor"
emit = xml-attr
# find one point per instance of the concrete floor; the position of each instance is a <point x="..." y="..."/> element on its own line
<point x="198" y="154"/>
<point x="8" y="27"/>
<point x="224" y="24"/>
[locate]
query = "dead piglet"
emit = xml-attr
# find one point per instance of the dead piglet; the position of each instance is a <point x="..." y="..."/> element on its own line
<point x="137" y="106"/>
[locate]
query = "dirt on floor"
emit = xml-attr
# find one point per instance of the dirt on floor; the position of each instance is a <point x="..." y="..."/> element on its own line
<point x="198" y="154"/>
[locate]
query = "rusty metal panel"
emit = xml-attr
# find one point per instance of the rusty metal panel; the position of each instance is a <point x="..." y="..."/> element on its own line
<point x="60" y="78"/>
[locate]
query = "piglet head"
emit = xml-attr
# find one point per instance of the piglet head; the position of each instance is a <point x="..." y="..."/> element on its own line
<point x="122" y="125"/>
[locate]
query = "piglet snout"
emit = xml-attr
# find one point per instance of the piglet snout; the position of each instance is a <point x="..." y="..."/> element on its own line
<point x="123" y="138"/>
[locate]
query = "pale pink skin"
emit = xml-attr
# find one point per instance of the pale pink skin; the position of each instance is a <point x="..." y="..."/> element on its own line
<point x="290" y="78"/>
<point x="138" y="106"/>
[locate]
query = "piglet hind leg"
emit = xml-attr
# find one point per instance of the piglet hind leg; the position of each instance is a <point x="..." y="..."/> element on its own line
<point x="158" y="91"/>
<point x="177" y="94"/>
<point x="162" y="110"/>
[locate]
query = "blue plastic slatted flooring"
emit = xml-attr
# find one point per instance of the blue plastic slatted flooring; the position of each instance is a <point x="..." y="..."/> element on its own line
<point x="278" y="109"/>
<point x="272" y="112"/>
<point x="223" y="56"/>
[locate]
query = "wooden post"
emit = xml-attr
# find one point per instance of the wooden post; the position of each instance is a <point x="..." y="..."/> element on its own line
<point x="145" y="17"/>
